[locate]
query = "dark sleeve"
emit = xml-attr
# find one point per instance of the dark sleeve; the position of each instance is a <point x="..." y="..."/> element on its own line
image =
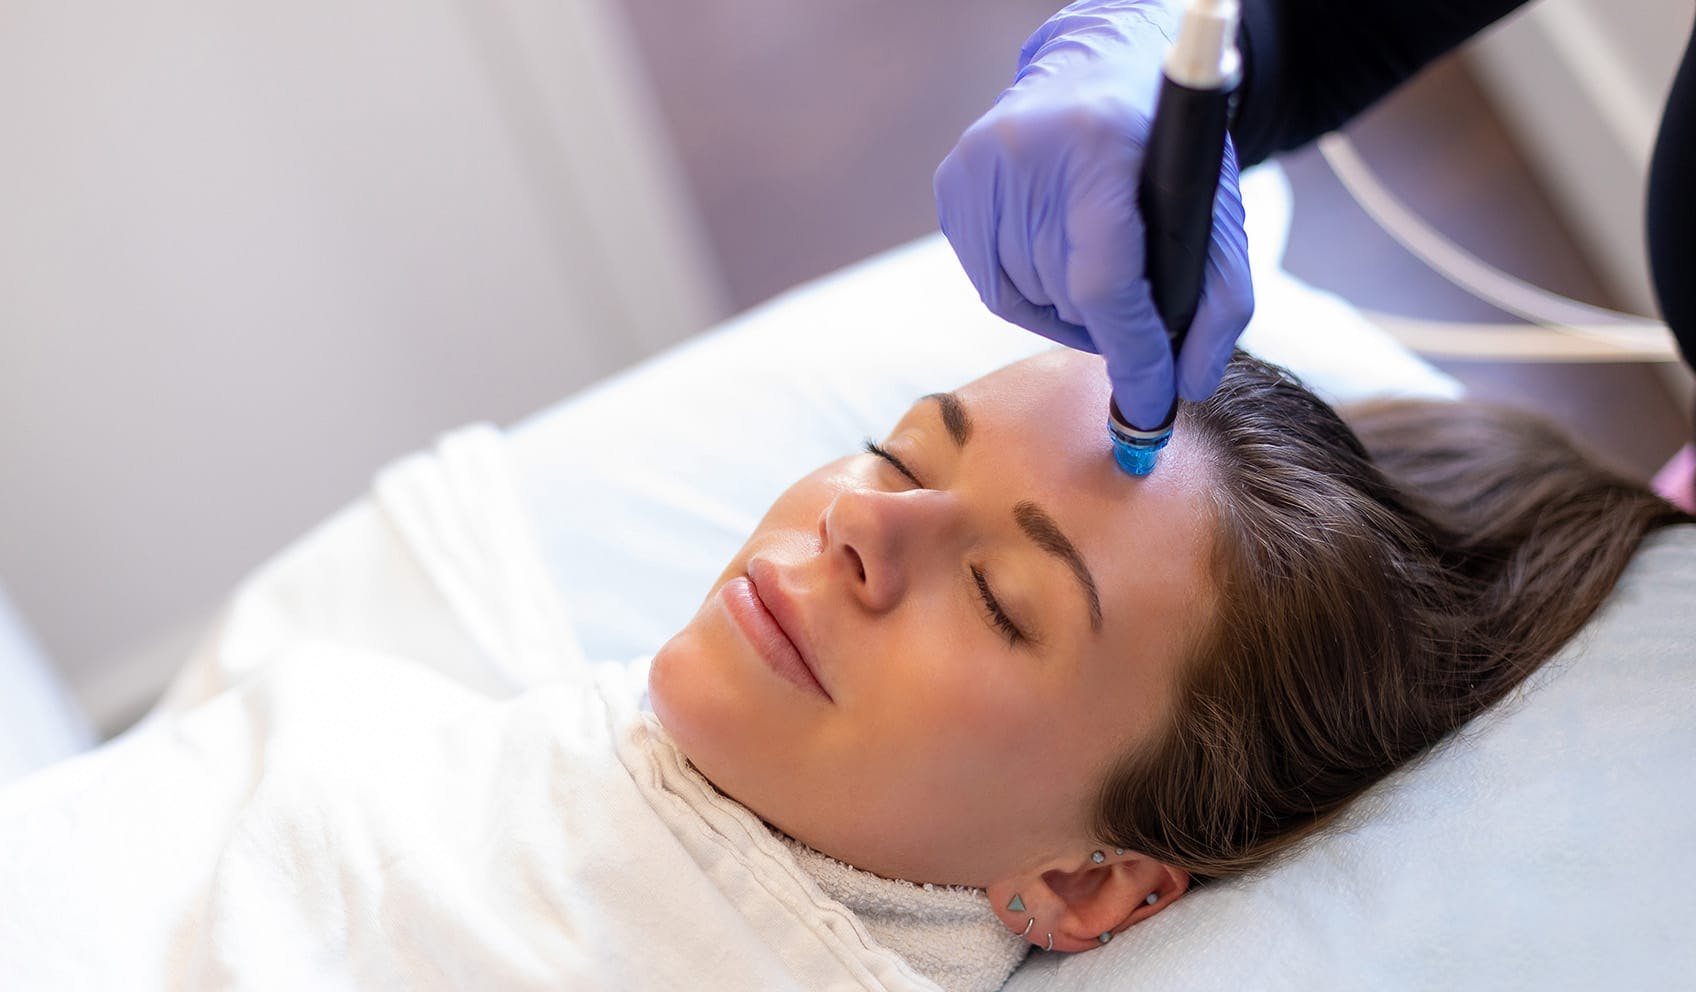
<point x="1310" y="65"/>
<point x="1672" y="208"/>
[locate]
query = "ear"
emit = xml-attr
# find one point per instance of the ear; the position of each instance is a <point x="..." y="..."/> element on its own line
<point x="1076" y="901"/>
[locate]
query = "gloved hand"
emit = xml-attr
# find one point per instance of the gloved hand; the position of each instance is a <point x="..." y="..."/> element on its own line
<point x="1039" y="200"/>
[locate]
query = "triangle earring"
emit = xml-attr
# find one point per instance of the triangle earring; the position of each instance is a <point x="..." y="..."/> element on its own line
<point x="1017" y="905"/>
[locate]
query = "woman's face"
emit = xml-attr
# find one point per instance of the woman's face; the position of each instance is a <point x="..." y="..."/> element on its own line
<point x="928" y="676"/>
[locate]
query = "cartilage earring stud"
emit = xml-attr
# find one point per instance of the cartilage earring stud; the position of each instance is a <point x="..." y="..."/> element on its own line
<point x="1105" y="937"/>
<point x="1119" y="850"/>
<point x="1153" y="897"/>
<point x="1098" y="857"/>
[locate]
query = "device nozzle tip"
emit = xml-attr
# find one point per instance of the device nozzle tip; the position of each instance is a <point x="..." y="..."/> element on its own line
<point x="1136" y="461"/>
<point x="1134" y="449"/>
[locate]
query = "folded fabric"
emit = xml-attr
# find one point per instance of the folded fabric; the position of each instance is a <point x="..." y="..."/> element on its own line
<point x="391" y="767"/>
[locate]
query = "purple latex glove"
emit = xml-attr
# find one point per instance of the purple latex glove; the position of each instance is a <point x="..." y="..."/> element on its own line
<point x="1039" y="200"/>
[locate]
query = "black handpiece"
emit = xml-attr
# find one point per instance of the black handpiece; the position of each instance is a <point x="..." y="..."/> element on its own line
<point x="1180" y="178"/>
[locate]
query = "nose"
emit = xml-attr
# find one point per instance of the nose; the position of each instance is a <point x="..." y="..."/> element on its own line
<point x="878" y="541"/>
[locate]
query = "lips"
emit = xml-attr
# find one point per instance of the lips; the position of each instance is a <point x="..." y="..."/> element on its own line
<point x="770" y="620"/>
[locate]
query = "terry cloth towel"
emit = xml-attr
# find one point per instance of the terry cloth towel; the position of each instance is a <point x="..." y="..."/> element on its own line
<point x="949" y="932"/>
<point x="390" y="767"/>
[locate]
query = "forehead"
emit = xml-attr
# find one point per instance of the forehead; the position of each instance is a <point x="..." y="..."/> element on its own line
<point x="1039" y="432"/>
<point x="1046" y="417"/>
<point x="1066" y="388"/>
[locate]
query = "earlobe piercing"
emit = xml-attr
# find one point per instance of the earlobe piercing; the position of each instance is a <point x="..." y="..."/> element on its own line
<point x="1018" y="906"/>
<point x="1106" y="936"/>
<point x="1050" y="946"/>
<point x="1153" y="897"/>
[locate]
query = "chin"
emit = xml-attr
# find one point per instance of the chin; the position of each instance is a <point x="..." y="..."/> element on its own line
<point x="694" y="696"/>
<point x="697" y="696"/>
<point x="671" y="687"/>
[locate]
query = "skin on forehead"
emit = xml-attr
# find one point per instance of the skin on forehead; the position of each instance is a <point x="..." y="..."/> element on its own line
<point x="943" y="752"/>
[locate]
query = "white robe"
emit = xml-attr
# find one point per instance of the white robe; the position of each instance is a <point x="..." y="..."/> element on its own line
<point x="391" y="767"/>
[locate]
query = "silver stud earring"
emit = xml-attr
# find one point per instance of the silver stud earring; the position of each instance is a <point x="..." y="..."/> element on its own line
<point x="1119" y="851"/>
<point x="1105" y="937"/>
<point x="1098" y="857"/>
<point x="1153" y="897"/>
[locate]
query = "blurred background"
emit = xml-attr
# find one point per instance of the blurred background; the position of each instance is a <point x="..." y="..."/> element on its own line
<point x="249" y="253"/>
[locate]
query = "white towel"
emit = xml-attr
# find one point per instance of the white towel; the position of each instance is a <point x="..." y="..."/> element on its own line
<point x="948" y="932"/>
<point x="390" y="768"/>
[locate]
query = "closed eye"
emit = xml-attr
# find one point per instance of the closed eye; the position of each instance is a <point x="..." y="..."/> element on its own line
<point x="997" y="616"/>
<point x="872" y="447"/>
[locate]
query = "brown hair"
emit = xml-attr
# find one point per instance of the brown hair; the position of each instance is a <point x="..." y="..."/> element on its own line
<point x="1379" y="587"/>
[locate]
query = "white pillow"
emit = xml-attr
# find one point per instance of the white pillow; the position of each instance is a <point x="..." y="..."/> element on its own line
<point x="644" y="486"/>
<point x="1552" y="845"/>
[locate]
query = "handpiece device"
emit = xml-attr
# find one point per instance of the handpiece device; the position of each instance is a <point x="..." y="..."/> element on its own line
<point x="1180" y="177"/>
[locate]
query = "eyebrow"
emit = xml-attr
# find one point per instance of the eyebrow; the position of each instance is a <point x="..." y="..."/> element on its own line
<point x="1038" y="524"/>
<point x="954" y="417"/>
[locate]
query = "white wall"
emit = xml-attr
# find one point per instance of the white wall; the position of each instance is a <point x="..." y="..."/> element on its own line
<point x="249" y="252"/>
<point x="1581" y="84"/>
<point x="38" y="724"/>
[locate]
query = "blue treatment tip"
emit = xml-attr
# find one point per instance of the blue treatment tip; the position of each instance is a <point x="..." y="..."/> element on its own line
<point x="1137" y="458"/>
<point x="1134" y="449"/>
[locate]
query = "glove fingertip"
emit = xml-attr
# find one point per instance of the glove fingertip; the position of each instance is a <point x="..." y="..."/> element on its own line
<point x="1202" y="365"/>
<point x="1196" y="384"/>
<point x="1147" y="410"/>
<point x="1144" y="400"/>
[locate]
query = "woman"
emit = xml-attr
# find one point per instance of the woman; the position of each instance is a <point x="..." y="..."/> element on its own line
<point x="1188" y="672"/>
<point x="976" y="657"/>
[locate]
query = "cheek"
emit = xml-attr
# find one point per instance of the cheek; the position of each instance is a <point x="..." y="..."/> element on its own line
<point x="1004" y="726"/>
<point x="965" y="745"/>
<point x="962" y="705"/>
<point x="941" y="668"/>
<point x="1012" y="761"/>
